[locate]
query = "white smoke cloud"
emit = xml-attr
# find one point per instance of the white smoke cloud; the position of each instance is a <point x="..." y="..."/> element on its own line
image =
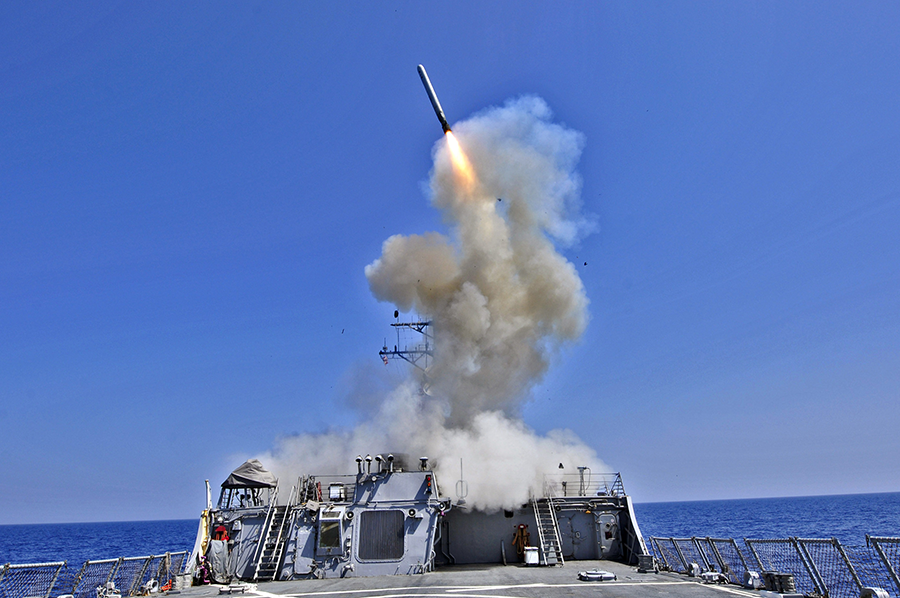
<point x="501" y="299"/>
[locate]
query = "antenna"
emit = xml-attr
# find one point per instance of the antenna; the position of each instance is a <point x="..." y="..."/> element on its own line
<point x="582" y="487"/>
<point x="421" y="354"/>
<point x="462" y="486"/>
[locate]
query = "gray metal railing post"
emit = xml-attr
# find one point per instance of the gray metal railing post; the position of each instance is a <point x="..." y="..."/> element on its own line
<point x="884" y="559"/>
<point x="737" y="551"/>
<point x="182" y="563"/>
<point x="810" y="565"/>
<point x="740" y="554"/>
<point x="723" y="567"/>
<point x="114" y="569"/>
<point x="672" y="566"/>
<point x="55" y="577"/>
<point x="3" y="571"/>
<point x="680" y="554"/>
<point x="702" y="552"/>
<point x="749" y="544"/>
<point x="167" y="563"/>
<point x="136" y="582"/>
<point x="850" y="567"/>
<point x="79" y="577"/>
<point x="659" y="551"/>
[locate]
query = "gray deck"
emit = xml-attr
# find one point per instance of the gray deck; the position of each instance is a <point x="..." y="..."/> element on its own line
<point x="488" y="581"/>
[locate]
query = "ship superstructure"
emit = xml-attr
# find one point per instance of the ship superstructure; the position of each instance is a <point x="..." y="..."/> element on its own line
<point x="391" y="518"/>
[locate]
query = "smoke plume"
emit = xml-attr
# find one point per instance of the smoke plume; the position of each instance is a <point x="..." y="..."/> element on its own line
<point x="502" y="301"/>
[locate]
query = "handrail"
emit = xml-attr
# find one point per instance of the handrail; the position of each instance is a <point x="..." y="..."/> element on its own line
<point x="537" y="517"/>
<point x="592" y="485"/>
<point x="281" y="529"/>
<point x="260" y="544"/>
<point x="556" y="529"/>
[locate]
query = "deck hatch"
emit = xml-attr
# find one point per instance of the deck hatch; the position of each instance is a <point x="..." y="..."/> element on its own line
<point x="381" y="535"/>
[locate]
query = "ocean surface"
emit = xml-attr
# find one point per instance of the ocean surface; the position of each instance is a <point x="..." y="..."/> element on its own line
<point x="848" y="518"/>
<point x="79" y="542"/>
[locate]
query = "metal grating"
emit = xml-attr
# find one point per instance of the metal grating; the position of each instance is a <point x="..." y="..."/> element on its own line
<point x="129" y="574"/>
<point x="869" y="568"/>
<point x="888" y="551"/>
<point x="381" y="535"/>
<point x="668" y="554"/>
<point x="21" y="581"/>
<point x="733" y="561"/>
<point x="784" y="556"/>
<point x="173" y="563"/>
<point x="43" y="580"/>
<point x="92" y="575"/>
<point x="690" y="552"/>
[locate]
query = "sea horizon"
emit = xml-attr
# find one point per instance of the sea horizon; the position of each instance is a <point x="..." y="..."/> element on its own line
<point x="667" y="502"/>
<point x="847" y="517"/>
<point x="643" y="502"/>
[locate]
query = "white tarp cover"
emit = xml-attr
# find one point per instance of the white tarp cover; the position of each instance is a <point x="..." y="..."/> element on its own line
<point x="251" y="474"/>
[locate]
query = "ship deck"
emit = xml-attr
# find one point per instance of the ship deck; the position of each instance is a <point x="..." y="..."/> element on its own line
<point x="490" y="581"/>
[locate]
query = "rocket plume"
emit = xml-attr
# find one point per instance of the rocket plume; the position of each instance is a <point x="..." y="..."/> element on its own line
<point x="502" y="301"/>
<point x="461" y="164"/>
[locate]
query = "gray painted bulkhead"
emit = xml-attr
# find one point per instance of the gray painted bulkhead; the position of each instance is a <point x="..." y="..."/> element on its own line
<point x="471" y="537"/>
<point x="395" y="522"/>
<point x="387" y="529"/>
<point x="589" y="530"/>
<point x="245" y="525"/>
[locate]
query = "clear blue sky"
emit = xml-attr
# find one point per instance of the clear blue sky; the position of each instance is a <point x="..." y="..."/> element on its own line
<point x="189" y="193"/>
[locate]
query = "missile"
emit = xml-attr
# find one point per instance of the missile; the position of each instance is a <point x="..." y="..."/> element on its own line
<point x="433" y="97"/>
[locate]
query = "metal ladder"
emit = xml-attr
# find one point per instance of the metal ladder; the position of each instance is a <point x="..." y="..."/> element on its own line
<point x="548" y="531"/>
<point x="275" y="539"/>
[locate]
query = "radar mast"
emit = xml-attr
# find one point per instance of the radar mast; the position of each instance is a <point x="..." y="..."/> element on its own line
<point x="420" y="354"/>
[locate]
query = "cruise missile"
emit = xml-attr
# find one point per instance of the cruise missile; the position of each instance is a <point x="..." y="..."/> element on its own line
<point x="433" y="97"/>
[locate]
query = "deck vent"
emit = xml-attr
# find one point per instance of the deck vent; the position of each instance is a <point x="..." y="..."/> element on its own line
<point x="381" y="535"/>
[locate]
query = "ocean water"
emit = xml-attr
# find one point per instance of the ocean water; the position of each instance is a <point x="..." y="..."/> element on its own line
<point x="848" y="518"/>
<point x="79" y="542"/>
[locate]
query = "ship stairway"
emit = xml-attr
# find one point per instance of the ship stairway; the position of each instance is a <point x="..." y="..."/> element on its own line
<point x="272" y="548"/>
<point x="548" y="531"/>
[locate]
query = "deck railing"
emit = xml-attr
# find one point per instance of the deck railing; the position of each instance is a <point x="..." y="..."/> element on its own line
<point x="563" y="485"/>
<point x="130" y="575"/>
<point x="818" y="566"/>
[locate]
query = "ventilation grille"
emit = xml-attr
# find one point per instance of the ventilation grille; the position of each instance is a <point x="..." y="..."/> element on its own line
<point x="381" y="535"/>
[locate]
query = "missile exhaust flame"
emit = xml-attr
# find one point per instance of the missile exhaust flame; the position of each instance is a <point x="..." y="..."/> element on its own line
<point x="461" y="164"/>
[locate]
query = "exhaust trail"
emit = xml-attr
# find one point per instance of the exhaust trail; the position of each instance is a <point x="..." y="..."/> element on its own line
<point x="503" y="301"/>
